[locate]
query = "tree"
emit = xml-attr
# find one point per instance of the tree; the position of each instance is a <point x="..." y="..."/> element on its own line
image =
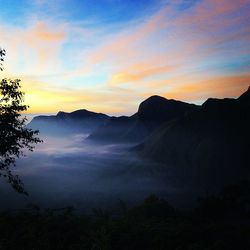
<point x="2" y="54"/>
<point x="15" y="137"/>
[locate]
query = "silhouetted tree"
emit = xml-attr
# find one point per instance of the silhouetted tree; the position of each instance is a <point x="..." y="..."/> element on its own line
<point x="2" y="54"/>
<point x="14" y="135"/>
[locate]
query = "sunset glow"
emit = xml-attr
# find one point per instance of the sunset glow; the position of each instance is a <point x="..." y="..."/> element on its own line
<point x="109" y="55"/>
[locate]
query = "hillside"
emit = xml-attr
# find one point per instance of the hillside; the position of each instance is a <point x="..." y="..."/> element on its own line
<point x="208" y="145"/>
<point x="151" y="114"/>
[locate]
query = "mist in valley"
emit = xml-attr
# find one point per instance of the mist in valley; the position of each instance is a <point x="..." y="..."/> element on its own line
<point x="70" y="170"/>
<point x="92" y="160"/>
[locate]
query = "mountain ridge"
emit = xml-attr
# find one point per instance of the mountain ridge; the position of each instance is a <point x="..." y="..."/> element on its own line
<point x="151" y="113"/>
<point x="81" y="120"/>
<point x="209" y="144"/>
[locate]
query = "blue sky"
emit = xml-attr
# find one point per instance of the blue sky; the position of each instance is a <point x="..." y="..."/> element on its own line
<point x="109" y="55"/>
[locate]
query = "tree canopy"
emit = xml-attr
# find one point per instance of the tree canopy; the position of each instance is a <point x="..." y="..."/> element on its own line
<point x="15" y="137"/>
<point x="2" y="54"/>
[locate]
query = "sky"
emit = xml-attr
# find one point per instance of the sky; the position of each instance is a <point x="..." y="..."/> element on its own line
<point x="109" y="55"/>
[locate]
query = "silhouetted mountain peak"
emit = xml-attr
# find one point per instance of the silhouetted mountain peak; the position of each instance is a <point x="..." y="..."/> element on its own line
<point x="212" y="142"/>
<point x="245" y="97"/>
<point x="79" y="114"/>
<point x="157" y="108"/>
<point x="80" y="120"/>
<point x="61" y="114"/>
<point x="155" y="98"/>
<point x="217" y="103"/>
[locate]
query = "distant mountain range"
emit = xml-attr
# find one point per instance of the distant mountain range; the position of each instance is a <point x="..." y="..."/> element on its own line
<point x="151" y="114"/>
<point x="78" y="121"/>
<point x="203" y="144"/>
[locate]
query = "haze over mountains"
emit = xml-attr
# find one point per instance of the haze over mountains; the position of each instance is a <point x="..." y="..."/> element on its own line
<point x="151" y="114"/>
<point x="203" y="146"/>
<point x="77" y="121"/>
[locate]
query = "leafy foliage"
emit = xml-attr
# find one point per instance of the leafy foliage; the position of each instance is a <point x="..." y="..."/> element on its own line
<point x="2" y="54"/>
<point x="14" y="135"/>
<point x="152" y="225"/>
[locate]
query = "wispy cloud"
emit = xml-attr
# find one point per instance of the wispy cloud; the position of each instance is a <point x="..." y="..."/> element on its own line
<point x="219" y="87"/>
<point x="138" y="73"/>
<point x="78" y="58"/>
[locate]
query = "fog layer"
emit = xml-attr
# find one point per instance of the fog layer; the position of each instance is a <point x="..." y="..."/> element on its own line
<point x="72" y="171"/>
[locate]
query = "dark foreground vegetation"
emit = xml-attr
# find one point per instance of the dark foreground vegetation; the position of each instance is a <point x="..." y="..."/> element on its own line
<point x="218" y="222"/>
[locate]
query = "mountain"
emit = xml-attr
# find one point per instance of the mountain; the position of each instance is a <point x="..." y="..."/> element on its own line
<point x="151" y="114"/>
<point x="244" y="99"/>
<point x="209" y="145"/>
<point x="112" y="130"/>
<point x="160" y="109"/>
<point x="77" y="121"/>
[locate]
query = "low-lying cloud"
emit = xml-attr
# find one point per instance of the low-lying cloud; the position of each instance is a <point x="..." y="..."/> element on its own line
<point x="72" y="171"/>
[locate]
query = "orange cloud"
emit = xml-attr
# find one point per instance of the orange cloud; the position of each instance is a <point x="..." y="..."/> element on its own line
<point x="35" y="50"/>
<point x="124" y="44"/>
<point x="212" y="11"/>
<point x="183" y="39"/>
<point x="41" y="32"/>
<point x="138" y="75"/>
<point x="219" y="87"/>
<point x="44" y="98"/>
<point x="172" y="44"/>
